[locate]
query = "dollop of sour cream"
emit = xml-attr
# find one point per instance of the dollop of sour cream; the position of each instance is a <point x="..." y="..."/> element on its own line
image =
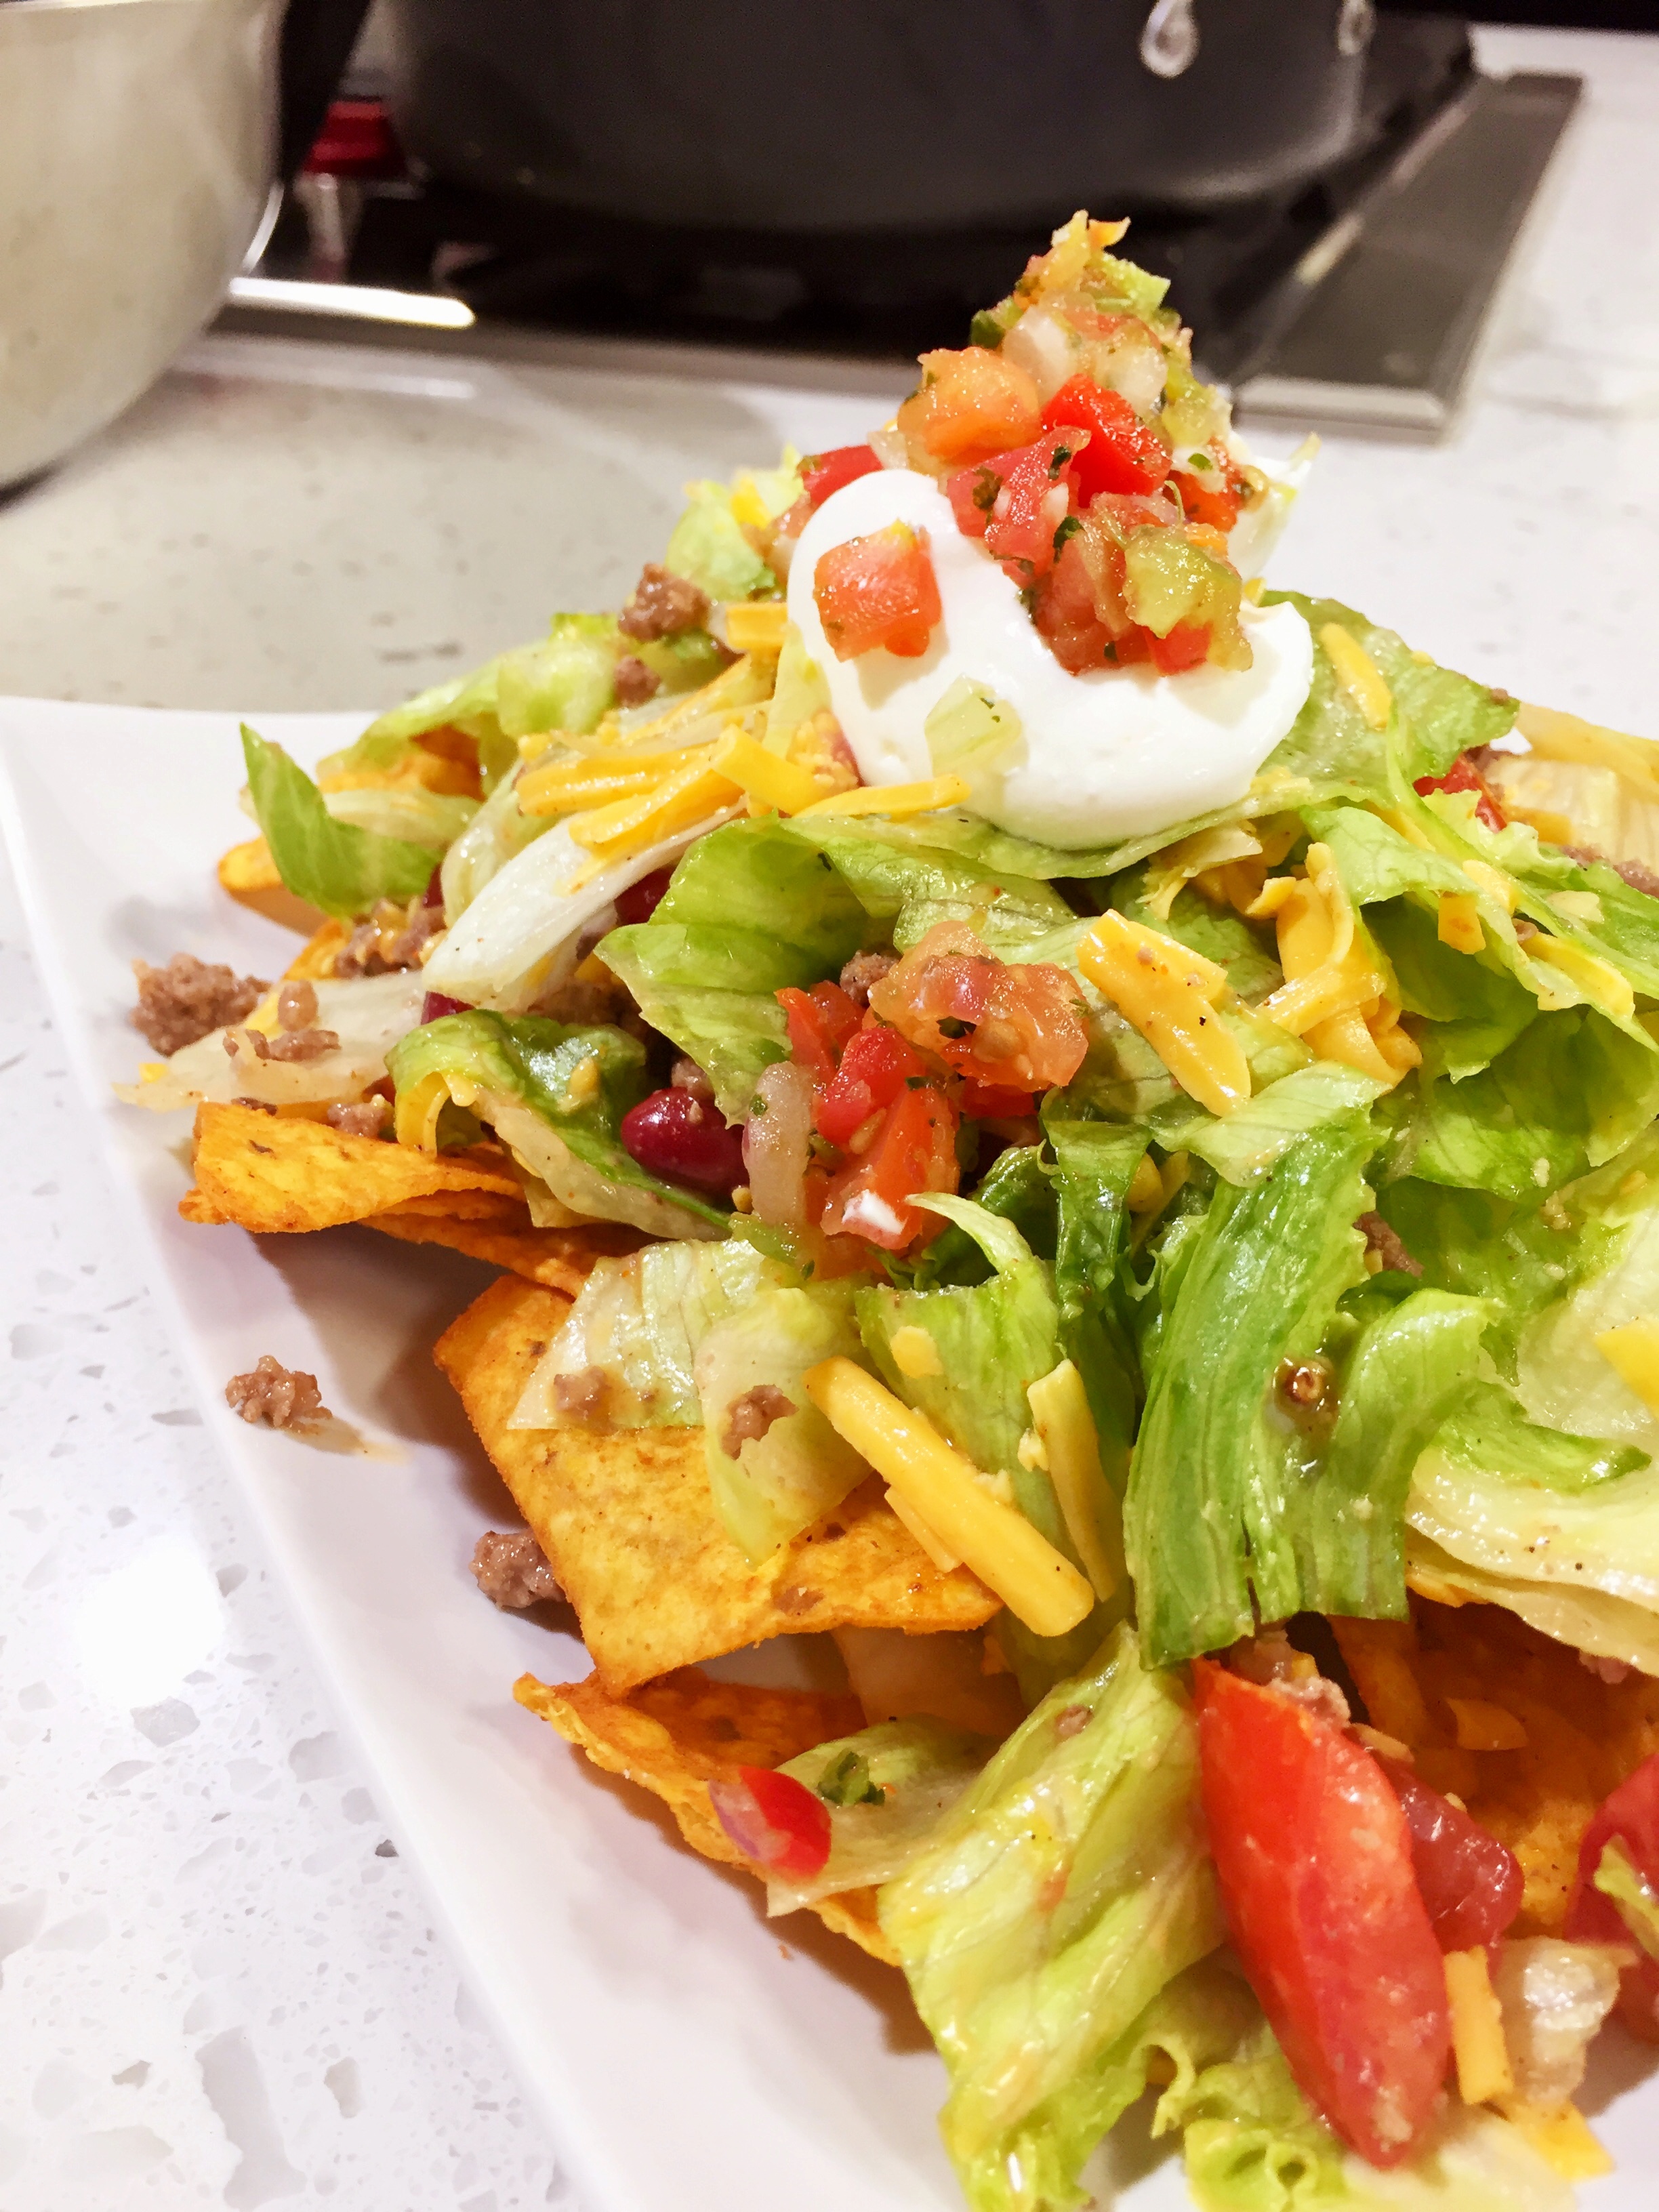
<point x="1111" y="753"/>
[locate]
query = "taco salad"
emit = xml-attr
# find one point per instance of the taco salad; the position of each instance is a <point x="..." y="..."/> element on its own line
<point x="1088" y="1128"/>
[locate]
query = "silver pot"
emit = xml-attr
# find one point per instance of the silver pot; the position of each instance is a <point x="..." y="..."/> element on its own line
<point x="137" y="149"/>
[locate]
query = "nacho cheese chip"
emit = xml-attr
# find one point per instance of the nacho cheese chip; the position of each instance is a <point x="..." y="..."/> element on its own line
<point x="675" y="1736"/>
<point x="627" y="1522"/>
<point x="278" y="1173"/>
<point x="559" y="1258"/>
<point x="1582" y="1735"/>
<point x="249" y="874"/>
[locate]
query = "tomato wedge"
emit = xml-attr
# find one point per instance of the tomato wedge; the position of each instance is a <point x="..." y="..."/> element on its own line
<point x="1629" y="1812"/>
<point x="823" y="475"/>
<point x="773" y="1819"/>
<point x="878" y="591"/>
<point x="1314" y="1859"/>
<point x="1470" y="1882"/>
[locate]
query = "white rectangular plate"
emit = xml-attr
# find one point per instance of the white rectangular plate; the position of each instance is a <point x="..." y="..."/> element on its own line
<point x="683" y="2048"/>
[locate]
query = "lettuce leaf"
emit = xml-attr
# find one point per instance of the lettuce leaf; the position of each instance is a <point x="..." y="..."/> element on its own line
<point x="1236" y="1513"/>
<point x="920" y="1768"/>
<point x="1062" y="1892"/>
<point x="801" y="1468"/>
<point x="336" y="867"/>
<point x="1253" y="2144"/>
<point x="556" y="1096"/>
<point x="908" y="885"/>
<point x="750" y="910"/>
<point x="1569" y="1092"/>
<point x="640" y="1320"/>
<point x="995" y="1339"/>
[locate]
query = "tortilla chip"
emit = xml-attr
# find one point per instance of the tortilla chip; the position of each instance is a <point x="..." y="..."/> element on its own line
<point x="278" y="1173"/>
<point x="314" y="962"/>
<point x="459" y="1206"/>
<point x="675" y="1736"/>
<point x="249" y="874"/>
<point x="627" y="1522"/>
<point x="1583" y="1735"/>
<point x="561" y="1259"/>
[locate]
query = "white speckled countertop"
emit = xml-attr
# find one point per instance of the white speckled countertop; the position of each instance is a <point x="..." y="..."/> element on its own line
<point x="217" y="1982"/>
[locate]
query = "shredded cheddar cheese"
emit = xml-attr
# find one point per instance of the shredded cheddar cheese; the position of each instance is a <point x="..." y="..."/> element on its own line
<point x="1071" y="1448"/>
<point x="1337" y="995"/>
<point x="1482" y="1726"/>
<point x="762" y="774"/>
<point x="1596" y="979"/>
<point x="945" y="1561"/>
<point x="1477" y="2028"/>
<point x="676" y="802"/>
<point x="1358" y="674"/>
<point x="1632" y="1352"/>
<point x="895" y="799"/>
<point x="1458" y="922"/>
<point x="1170" y="995"/>
<point x="755" y="625"/>
<point x="1038" y="1585"/>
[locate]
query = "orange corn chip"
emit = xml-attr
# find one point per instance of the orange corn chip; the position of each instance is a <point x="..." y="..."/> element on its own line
<point x="560" y="1258"/>
<point x="249" y="874"/>
<point x="675" y="1736"/>
<point x="278" y="1173"/>
<point x="626" y="1518"/>
<point x="1582" y="1735"/>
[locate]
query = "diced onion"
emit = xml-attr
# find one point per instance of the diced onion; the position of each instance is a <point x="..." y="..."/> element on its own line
<point x="777" y="1145"/>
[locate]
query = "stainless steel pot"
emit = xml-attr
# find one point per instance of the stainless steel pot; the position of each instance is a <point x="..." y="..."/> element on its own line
<point x="138" y="143"/>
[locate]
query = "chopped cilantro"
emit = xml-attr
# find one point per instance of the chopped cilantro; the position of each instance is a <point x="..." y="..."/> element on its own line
<point x="846" y="1781"/>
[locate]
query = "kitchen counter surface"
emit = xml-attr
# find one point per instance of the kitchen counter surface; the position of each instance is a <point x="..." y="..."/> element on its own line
<point x="218" y="1982"/>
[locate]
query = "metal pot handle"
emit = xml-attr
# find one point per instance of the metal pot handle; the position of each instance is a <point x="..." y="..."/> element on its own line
<point x="318" y="36"/>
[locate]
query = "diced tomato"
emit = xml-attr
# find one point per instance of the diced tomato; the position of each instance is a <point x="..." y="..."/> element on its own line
<point x="1470" y="1882"/>
<point x="875" y="1067"/>
<point x="973" y="493"/>
<point x="1314" y="1859"/>
<point x="1463" y="775"/>
<point x="1187" y="645"/>
<point x="993" y="1102"/>
<point x="1123" y="453"/>
<point x="1017" y="1026"/>
<point x="1213" y="496"/>
<point x="773" y="1819"/>
<point x="914" y="1149"/>
<point x="1017" y="502"/>
<point x="971" y="404"/>
<point x="823" y="475"/>
<point x="878" y="591"/>
<point x="1631" y="1813"/>
<point x="820" y="1021"/>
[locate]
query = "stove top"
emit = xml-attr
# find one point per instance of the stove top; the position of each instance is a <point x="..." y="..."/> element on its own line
<point x="1356" y="300"/>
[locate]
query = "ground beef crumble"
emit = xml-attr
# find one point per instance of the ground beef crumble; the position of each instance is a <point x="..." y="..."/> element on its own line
<point x="393" y="937"/>
<point x="188" y="998"/>
<point x="749" y="1418"/>
<point x="1636" y="873"/>
<point x="662" y="604"/>
<point x="686" y="1075"/>
<point x="367" y="1118"/>
<point x="290" y="1045"/>
<point x="1384" y="1242"/>
<point x="635" y="683"/>
<point x="512" y="1570"/>
<point x="282" y="1398"/>
<point x="581" y="1396"/>
<point x="863" y="972"/>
